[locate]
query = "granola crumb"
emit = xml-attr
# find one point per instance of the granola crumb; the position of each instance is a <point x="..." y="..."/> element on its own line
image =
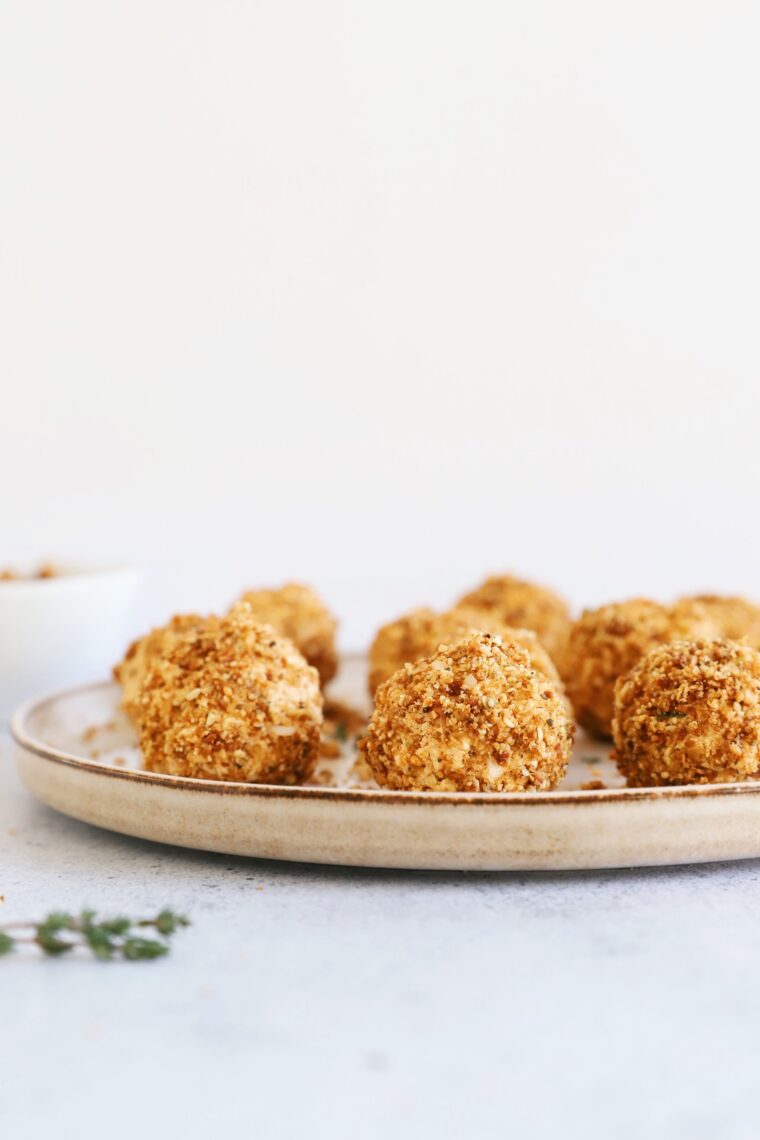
<point x="329" y="749"/>
<point x="230" y="699"/>
<point x="422" y="632"/>
<point x="524" y="605"/>
<point x="45" y="570"/>
<point x="342" y="720"/>
<point x="323" y="778"/>
<point x="734" y="618"/>
<point x="133" y="668"/>
<point x="689" y="713"/>
<point x="297" y="612"/>
<point x="606" y="642"/>
<point x="473" y="717"/>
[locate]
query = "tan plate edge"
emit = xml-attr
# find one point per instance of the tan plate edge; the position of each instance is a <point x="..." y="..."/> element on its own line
<point x="23" y="738"/>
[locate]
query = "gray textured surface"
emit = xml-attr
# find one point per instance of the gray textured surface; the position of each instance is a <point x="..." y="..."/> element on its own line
<point x="322" y="1002"/>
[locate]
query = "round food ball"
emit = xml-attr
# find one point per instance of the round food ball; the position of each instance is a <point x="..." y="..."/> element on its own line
<point x="527" y="639"/>
<point x="474" y="717"/>
<point x="230" y="700"/>
<point x="130" y="672"/>
<point x="298" y="612"/>
<point x="421" y="632"/>
<point x="605" y="643"/>
<point x="524" y="605"/>
<point x="733" y="618"/>
<point x="689" y="713"/>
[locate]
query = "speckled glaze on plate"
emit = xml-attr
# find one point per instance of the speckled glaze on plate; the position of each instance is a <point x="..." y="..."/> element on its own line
<point x="77" y="754"/>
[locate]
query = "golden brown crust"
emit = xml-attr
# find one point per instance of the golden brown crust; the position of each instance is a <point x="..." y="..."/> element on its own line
<point x="420" y="633"/>
<point x="296" y="611"/>
<point x="230" y="699"/>
<point x="524" y="605"/>
<point x="733" y="617"/>
<point x="46" y="570"/>
<point x="605" y="643"/>
<point x="473" y="717"/>
<point x="539" y="657"/>
<point x="689" y="713"/>
<point x="131" y="671"/>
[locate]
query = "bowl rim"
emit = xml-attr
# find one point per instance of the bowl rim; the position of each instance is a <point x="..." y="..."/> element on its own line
<point x="26" y="740"/>
<point x="72" y="576"/>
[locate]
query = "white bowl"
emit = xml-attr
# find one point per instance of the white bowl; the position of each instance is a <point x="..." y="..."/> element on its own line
<point x="62" y="630"/>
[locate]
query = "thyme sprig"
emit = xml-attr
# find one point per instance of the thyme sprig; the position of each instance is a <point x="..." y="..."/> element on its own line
<point x="60" y="933"/>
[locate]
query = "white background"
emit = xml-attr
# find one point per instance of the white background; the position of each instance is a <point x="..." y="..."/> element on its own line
<point x="381" y="296"/>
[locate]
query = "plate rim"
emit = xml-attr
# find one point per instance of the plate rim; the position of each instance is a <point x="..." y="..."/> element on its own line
<point x="28" y="742"/>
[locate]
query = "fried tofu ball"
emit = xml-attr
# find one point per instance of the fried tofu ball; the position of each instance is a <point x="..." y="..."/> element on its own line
<point x="131" y="671"/>
<point x="299" y="613"/>
<point x="605" y="643"/>
<point x="734" y="618"/>
<point x="421" y="632"/>
<point x="230" y="700"/>
<point x="474" y="717"/>
<point x="689" y="713"/>
<point x="538" y="655"/>
<point x="524" y="605"/>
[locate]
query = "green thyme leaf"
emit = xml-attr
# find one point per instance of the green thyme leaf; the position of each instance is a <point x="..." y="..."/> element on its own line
<point x="136" y="948"/>
<point x="60" y="933"/>
<point x="99" y="942"/>
<point x="51" y="945"/>
<point x="116" y="925"/>
<point x="168" y="922"/>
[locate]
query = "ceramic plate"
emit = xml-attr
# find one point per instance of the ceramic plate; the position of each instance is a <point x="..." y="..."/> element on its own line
<point x="78" y="754"/>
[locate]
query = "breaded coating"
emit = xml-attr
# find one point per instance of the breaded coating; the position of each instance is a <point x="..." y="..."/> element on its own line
<point x="420" y="633"/>
<point x="528" y="639"/>
<point x="734" y="618"/>
<point x="130" y="672"/>
<point x="524" y="605"/>
<point x="605" y="643"/>
<point x="230" y="700"/>
<point x="689" y="713"/>
<point x="474" y="717"/>
<point x="298" y="612"/>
